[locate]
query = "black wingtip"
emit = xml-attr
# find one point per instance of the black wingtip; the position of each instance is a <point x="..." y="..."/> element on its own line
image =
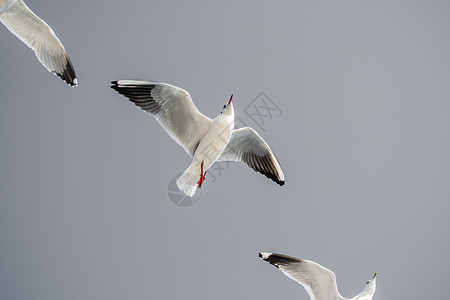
<point x="68" y="74"/>
<point x="114" y="85"/>
<point x="268" y="259"/>
<point x="281" y="260"/>
<point x="274" y="178"/>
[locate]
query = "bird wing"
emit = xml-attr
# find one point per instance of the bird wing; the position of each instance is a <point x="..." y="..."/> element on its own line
<point x="171" y="106"/>
<point x="319" y="282"/>
<point x="248" y="147"/>
<point x="37" y="35"/>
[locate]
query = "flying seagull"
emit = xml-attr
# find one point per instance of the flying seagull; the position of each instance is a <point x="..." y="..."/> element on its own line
<point x="319" y="282"/>
<point x="37" y="35"/>
<point x="206" y="140"/>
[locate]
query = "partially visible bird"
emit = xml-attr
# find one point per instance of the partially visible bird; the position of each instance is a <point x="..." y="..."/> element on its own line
<point x="319" y="282"/>
<point x="206" y="140"/>
<point x="37" y="35"/>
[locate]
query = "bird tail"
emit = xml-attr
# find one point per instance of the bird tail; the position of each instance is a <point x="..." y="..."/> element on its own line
<point x="187" y="182"/>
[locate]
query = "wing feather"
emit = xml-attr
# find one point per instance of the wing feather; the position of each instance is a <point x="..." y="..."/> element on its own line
<point x="318" y="281"/>
<point x="248" y="147"/>
<point x="37" y="35"/>
<point x="171" y="106"/>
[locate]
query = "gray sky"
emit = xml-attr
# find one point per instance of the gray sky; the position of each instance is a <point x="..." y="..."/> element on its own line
<point x="363" y="138"/>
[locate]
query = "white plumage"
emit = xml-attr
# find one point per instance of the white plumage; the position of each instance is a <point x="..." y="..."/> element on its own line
<point x="206" y="140"/>
<point x="319" y="282"/>
<point x="37" y="35"/>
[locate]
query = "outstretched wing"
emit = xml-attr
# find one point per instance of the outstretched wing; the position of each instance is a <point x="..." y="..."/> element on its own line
<point x="171" y="106"/>
<point x="37" y="35"/>
<point x="319" y="282"/>
<point x="248" y="147"/>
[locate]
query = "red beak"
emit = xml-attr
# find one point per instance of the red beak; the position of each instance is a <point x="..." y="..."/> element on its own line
<point x="231" y="99"/>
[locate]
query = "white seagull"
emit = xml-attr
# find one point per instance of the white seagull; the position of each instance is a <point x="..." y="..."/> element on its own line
<point x="319" y="282"/>
<point x="37" y="35"/>
<point x="206" y="140"/>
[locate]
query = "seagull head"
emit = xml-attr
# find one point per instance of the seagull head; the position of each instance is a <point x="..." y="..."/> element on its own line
<point x="228" y="108"/>
<point x="370" y="287"/>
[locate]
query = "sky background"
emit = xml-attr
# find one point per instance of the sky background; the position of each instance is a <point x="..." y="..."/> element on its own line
<point x="363" y="137"/>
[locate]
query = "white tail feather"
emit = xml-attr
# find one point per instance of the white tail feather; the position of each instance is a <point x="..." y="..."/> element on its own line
<point x="188" y="180"/>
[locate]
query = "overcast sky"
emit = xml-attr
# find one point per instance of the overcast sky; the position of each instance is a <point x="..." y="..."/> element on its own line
<point x="361" y="128"/>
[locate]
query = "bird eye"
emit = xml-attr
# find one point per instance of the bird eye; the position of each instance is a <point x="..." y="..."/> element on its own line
<point x="367" y="282"/>
<point x="224" y="106"/>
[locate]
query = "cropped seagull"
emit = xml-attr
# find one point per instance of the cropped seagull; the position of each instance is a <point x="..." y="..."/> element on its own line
<point x="206" y="140"/>
<point x="319" y="282"/>
<point x="37" y="35"/>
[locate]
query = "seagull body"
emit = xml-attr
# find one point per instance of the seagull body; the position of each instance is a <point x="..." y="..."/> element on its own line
<point x="319" y="282"/>
<point x="37" y="35"/>
<point x="206" y="140"/>
<point x="208" y="151"/>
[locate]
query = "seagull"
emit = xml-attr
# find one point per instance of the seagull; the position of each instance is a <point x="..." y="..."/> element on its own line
<point x="206" y="140"/>
<point x="319" y="282"/>
<point x="37" y="35"/>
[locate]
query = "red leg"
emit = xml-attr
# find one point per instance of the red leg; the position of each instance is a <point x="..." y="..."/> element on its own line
<point x="202" y="177"/>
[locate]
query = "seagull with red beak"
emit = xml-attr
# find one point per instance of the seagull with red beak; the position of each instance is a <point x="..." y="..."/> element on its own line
<point x="206" y="140"/>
